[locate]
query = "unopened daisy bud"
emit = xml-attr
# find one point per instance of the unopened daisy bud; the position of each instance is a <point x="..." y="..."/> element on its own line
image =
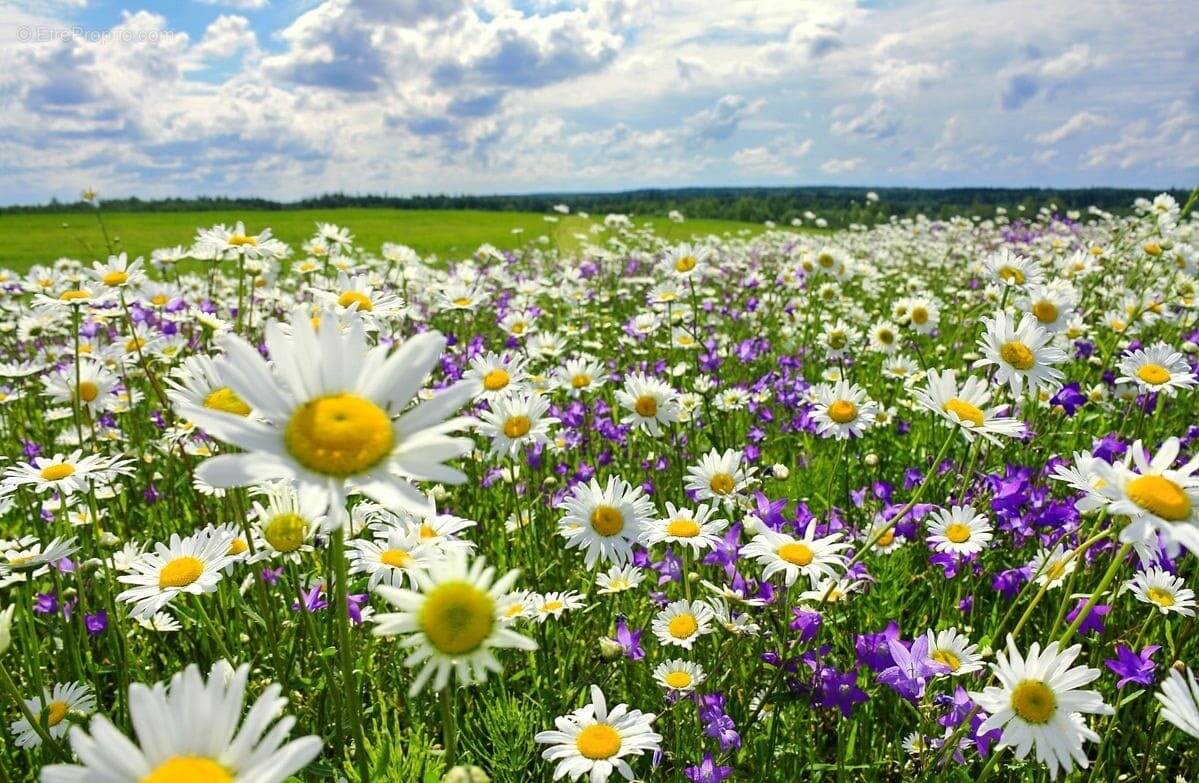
<point x="1177" y="666"/>
<point x="466" y="774"/>
<point x="780" y="471"/>
<point x="109" y="540"/>
<point x="609" y="648"/>
<point x="1094" y="361"/>
<point x="91" y="564"/>
<point x="1152" y="248"/>
<point x="439" y="492"/>
<point x="549" y="481"/>
<point x="871" y="460"/>
<point x="1189" y="346"/>
<point x="6" y="628"/>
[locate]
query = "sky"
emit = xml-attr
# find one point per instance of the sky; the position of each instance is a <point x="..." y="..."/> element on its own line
<point x="291" y="98"/>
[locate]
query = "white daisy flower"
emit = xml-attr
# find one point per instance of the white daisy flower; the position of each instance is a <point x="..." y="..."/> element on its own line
<point x="188" y="731"/>
<point x="605" y="521"/>
<point x="51" y="710"/>
<point x="1020" y="353"/>
<point x="580" y="375"/>
<point x="1051" y="566"/>
<point x="516" y="421"/>
<point x="1158" y="499"/>
<point x="451" y="622"/>
<point x="392" y="556"/>
<point x="695" y="529"/>
<point x="650" y="403"/>
<point x="953" y="650"/>
<point x="965" y="406"/>
<point x="683" y="622"/>
<point x="720" y="477"/>
<point x="1038" y="704"/>
<point x="1008" y="268"/>
<point x="492" y="375"/>
<point x="190" y="565"/>
<point x="66" y="474"/>
<point x="1158" y="368"/>
<point x="807" y="556"/>
<point x="1162" y="589"/>
<point x="959" y="529"/>
<point x="1179" y="697"/>
<point x="843" y="411"/>
<point x="594" y="742"/>
<point x="618" y="579"/>
<point x="679" y="676"/>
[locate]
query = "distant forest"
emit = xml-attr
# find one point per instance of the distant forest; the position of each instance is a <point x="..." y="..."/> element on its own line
<point x="840" y="206"/>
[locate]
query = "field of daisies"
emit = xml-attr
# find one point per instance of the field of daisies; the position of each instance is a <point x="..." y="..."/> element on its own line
<point x="914" y="501"/>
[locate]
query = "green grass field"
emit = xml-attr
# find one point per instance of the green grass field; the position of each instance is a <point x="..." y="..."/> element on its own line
<point x="27" y="239"/>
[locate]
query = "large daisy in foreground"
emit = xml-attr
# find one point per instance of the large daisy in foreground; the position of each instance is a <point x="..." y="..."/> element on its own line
<point x="1038" y="704"/>
<point x="189" y="731"/>
<point x="329" y="413"/>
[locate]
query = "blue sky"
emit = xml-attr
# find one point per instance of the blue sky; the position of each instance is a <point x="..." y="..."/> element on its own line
<point x="288" y="98"/>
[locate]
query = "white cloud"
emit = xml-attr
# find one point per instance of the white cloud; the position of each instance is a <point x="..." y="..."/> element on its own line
<point x="1072" y="62"/>
<point x="842" y="165"/>
<point x="1083" y="121"/>
<point x="240" y="5"/>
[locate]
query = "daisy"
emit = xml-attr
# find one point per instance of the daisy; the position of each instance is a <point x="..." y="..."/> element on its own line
<point x="679" y="676"/>
<point x="160" y="622"/>
<point x="326" y="406"/>
<point x="965" y="406"/>
<point x="682" y="622"/>
<point x="357" y="294"/>
<point x="581" y="375"/>
<point x="391" y="556"/>
<point x="808" y="556"/>
<point x="954" y="651"/>
<point x="1179" y="697"/>
<point x="843" y="411"/>
<point x="922" y="314"/>
<point x="554" y="604"/>
<point x="960" y="530"/>
<point x="695" y="529"/>
<point x="519" y="323"/>
<point x="29" y="556"/>
<point x="888" y="540"/>
<point x="1052" y="305"/>
<point x="1158" y="500"/>
<point x="118" y="272"/>
<point x="1051" y="566"/>
<point x="221" y="243"/>
<point x="830" y="590"/>
<point x="516" y="421"/>
<point x="1038" y="704"/>
<point x="649" y="402"/>
<point x="451" y="622"/>
<point x="884" y="338"/>
<point x="592" y="742"/>
<point x="1162" y="589"/>
<point x="1158" y="368"/>
<point x="66" y="474"/>
<point x="93" y="391"/>
<point x="738" y="624"/>
<point x="686" y="260"/>
<point x="720" y="477"/>
<point x="51" y="710"/>
<point x="288" y="521"/>
<point x="492" y="375"/>
<point x="1008" y="268"/>
<point x="605" y="521"/>
<point x="1020" y="353"/>
<point x="189" y="731"/>
<point x="618" y="579"/>
<point x="190" y="565"/>
<point x="459" y="296"/>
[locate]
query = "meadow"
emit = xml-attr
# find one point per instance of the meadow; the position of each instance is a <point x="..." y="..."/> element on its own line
<point x="42" y="238"/>
<point x="402" y="496"/>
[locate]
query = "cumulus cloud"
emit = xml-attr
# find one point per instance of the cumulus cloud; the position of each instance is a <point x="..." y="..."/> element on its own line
<point x="721" y="120"/>
<point x="240" y="5"/>
<point x="842" y="165"/>
<point x="877" y="121"/>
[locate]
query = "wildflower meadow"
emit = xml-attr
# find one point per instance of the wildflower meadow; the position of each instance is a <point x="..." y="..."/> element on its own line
<point x="918" y="500"/>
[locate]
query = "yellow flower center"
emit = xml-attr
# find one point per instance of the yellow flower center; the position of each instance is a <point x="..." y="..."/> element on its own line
<point x="886" y="336"/>
<point x="517" y="426"/>
<point x="518" y="328"/>
<point x="598" y="741"/>
<point x="826" y="260"/>
<point x="842" y="411"/>
<point x="1012" y="275"/>
<point x="180" y="572"/>
<point x="134" y="344"/>
<point x="678" y="679"/>
<point x="838" y="340"/>
<point x="225" y="399"/>
<point x="58" y="472"/>
<point x="552" y="606"/>
<point x="462" y="301"/>
<point x="1161" y="597"/>
<point x="1161" y="496"/>
<point x="682" y="626"/>
<point x="285" y="532"/>
<point x="457" y="617"/>
<point x="115" y="278"/>
<point x="721" y="483"/>
<point x="237" y="546"/>
<point x="646" y="406"/>
<point x="581" y="381"/>
<point x="965" y="411"/>
<point x="796" y="553"/>
<point x="159" y="299"/>
<point x="396" y="558"/>
<point x="957" y="532"/>
<point x="339" y="435"/>
<point x="55" y="712"/>
<point x="74" y="296"/>
<point x="1045" y="311"/>
<point x="607" y="521"/>
<point x="886" y="539"/>
<point x="1033" y="701"/>
<point x="919" y="316"/>
<point x="947" y="658"/>
<point x="685" y="264"/>
<point x="350" y="298"/>
<point x="1153" y="374"/>
<point x="188" y="769"/>
<point x="241" y="240"/>
<point x="1017" y="354"/>
<point x="496" y="379"/>
<point x="682" y="528"/>
<point x="88" y="391"/>
<point x="1055" y="570"/>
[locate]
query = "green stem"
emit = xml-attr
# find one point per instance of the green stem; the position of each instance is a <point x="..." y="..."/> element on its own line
<point x="1104" y="584"/>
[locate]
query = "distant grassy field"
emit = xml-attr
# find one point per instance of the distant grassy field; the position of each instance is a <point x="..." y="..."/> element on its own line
<point x="27" y="239"/>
